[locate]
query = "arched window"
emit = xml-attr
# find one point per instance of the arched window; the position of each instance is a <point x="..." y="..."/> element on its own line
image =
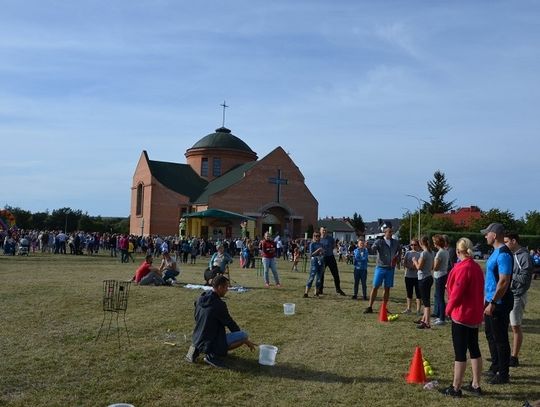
<point x="140" y="197"/>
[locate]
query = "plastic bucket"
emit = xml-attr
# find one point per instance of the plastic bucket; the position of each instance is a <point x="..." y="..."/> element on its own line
<point x="267" y="355"/>
<point x="288" y="308"/>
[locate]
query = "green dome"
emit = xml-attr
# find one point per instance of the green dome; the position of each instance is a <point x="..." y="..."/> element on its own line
<point x="222" y="138"/>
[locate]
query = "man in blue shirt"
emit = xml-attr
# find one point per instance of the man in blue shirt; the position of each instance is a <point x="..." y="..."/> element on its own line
<point x="498" y="303"/>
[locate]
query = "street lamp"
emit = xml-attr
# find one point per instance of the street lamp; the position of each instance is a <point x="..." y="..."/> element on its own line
<point x="419" y="210"/>
<point x="410" y="222"/>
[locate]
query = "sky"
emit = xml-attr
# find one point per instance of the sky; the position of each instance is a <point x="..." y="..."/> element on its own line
<point x="370" y="98"/>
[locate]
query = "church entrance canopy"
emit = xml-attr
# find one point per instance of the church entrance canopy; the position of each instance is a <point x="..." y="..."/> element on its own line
<point x="217" y="214"/>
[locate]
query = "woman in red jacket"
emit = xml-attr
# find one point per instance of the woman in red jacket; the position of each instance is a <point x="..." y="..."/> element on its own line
<point x="465" y="307"/>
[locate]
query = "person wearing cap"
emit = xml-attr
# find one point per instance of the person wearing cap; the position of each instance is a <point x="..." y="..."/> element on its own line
<point x="499" y="301"/>
<point x="211" y="318"/>
<point x="388" y="252"/>
<point x="521" y="281"/>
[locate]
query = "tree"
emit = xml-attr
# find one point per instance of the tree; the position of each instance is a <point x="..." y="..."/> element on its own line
<point x="495" y="216"/>
<point x="531" y="223"/>
<point x="438" y="187"/>
<point x="358" y="224"/>
<point x="22" y="217"/>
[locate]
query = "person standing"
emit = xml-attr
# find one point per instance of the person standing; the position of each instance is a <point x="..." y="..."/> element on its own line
<point x="424" y="265"/>
<point x="521" y="281"/>
<point x="388" y="252"/>
<point x="465" y="307"/>
<point x="411" y="277"/>
<point x="498" y="303"/>
<point x="329" y="244"/>
<point x="360" y="262"/>
<point x="316" y="251"/>
<point x="268" y="253"/>
<point x="440" y="274"/>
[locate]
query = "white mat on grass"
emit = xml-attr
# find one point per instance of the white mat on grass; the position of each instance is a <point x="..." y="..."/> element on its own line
<point x="236" y="288"/>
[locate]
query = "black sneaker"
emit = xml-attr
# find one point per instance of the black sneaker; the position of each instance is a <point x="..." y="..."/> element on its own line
<point x="450" y="391"/>
<point x="214" y="361"/>
<point x="474" y="391"/>
<point x="498" y="379"/>
<point x="354" y="297"/>
<point x="514" y="361"/>
<point x="306" y="295"/>
<point x="192" y="354"/>
<point x="368" y="310"/>
<point x="340" y="292"/>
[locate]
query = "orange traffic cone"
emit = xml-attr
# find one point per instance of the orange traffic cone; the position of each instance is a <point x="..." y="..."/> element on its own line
<point x="416" y="371"/>
<point x="383" y="313"/>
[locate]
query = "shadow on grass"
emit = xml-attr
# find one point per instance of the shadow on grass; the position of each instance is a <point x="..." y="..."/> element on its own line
<point x="531" y="326"/>
<point x="295" y="372"/>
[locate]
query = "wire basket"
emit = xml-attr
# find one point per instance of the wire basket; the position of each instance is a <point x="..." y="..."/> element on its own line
<point x="115" y="295"/>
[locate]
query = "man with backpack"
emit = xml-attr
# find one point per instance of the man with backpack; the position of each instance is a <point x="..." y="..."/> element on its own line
<point x="499" y="301"/>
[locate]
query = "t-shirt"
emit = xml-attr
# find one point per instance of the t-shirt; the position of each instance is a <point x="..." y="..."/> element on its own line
<point x="442" y="269"/>
<point x="328" y="243"/>
<point x="425" y="271"/>
<point x="410" y="270"/>
<point x="142" y="271"/>
<point x="501" y="261"/>
<point x="268" y="249"/>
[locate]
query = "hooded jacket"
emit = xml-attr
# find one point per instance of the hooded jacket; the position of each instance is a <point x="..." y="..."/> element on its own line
<point x="211" y="318"/>
<point x="522" y="273"/>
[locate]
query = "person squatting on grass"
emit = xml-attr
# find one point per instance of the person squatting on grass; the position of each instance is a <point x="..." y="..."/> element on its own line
<point x="499" y="301"/>
<point x="521" y="281"/>
<point x="211" y="318"/>
<point x="168" y="268"/>
<point x="465" y="307"/>
<point x="360" y="261"/>
<point x="411" y="277"/>
<point x="388" y="252"/>
<point x="424" y="265"/>
<point x="316" y="251"/>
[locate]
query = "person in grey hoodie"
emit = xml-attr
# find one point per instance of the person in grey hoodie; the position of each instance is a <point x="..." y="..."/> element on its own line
<point x="211" y="318"/>
<point x="521" y="281"/>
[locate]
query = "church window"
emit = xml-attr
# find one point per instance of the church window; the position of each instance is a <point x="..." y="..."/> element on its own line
<point x="140" y="196"/>
<point x="216" y="171"/>
<point x="204" y="167"/>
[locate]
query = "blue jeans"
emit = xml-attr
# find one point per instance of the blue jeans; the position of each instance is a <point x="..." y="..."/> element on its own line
<point x="170" y="274"/>
<point x="440" y="284"/>
<point x="360" y="275"/>
<point x="233" y="337"/>
<point x="315" y="273"/>
<point x="270" y="263"/>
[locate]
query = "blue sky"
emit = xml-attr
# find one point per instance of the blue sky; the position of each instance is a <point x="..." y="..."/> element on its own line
<point x="370" y="98"/>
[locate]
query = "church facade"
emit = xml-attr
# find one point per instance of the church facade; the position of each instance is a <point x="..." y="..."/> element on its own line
<point x="224" y="178"/>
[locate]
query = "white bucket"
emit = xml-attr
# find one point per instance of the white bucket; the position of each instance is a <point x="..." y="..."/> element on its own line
<point x="288" y="308"/>
<point x="267" y="355"/>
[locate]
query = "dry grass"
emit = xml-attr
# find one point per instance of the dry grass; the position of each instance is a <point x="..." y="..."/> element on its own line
<point x="329" y="352"/>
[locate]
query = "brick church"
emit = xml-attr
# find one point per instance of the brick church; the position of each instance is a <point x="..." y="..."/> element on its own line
<point x="222" y="191"/>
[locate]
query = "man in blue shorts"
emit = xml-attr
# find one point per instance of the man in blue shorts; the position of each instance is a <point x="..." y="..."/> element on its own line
<point x="211" y="318"/>
<point x="499" y="301"/>
<point x="388" y="252"/>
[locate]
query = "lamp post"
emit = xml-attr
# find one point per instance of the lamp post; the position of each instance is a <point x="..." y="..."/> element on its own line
<point x="419" y="211"/>
<point x="410" y="222"/>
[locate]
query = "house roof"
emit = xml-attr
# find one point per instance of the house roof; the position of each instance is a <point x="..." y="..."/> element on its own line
<point x="335" y="225"/>
<point x="222" y="138"/>
<point x="218" y="214"/>
<point x="225" y="181"/>
<point x="374" y="228"/>
<point x="178" y="177"/>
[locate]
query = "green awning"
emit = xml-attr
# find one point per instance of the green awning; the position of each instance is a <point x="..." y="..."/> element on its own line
<point x="218" y="214"/>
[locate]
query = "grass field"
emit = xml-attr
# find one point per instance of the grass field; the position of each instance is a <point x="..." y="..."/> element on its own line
<point x="329" y="352"/>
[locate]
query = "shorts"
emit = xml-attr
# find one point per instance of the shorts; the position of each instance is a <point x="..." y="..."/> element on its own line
<point x="383" y="274"/>
<point x="237" y="336"/>
<point x="516" y="315"/>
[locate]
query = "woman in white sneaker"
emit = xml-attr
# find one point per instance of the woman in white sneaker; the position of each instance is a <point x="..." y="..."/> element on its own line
<point x="440" y="275"/>
<point x="424" y="265"/>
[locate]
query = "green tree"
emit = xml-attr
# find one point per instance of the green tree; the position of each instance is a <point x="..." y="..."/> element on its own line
<point x="40" y="220"/>
<point x="438" y="187"/>
<point x="495" y="216"/>
<point x="531" y="223"/>
<point x="23" y="218"/>
<point x="358" y="224"/>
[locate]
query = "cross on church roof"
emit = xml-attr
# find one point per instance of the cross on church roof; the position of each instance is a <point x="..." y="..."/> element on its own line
<point x="279" y="182"/>
<point x="224" y="107"/>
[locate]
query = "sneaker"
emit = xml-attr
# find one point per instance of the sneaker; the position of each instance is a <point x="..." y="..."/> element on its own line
<point x="192" y="354"/>
<point x="439" y="322"/>
<point x="214" y="361"/>
<point x="514" y="361"/>
<point x="306" y="295"/>
<point x="423" y="325"/>
<point x="368" y="310"/>
<point x="267" y="285"/>
<point x="475" y="391"/>
<point x="354" y="297"/>
<point x="450" y="391"/>
<point x="498" y="379"/>
<point x="407" y="311"/>
<point x="340" y="292"/>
